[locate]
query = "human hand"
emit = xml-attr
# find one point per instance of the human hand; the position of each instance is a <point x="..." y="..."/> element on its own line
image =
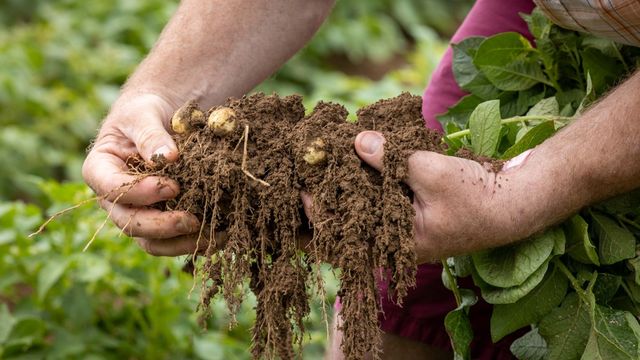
<point x="137" y="124"/>
<point x="460" y="206"/>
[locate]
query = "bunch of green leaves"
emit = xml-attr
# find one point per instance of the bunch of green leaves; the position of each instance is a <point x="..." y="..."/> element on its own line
<point x="577" y="285"/>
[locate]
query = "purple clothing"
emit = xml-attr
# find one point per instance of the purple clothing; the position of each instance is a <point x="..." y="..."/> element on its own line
<point x="422" y="316"/>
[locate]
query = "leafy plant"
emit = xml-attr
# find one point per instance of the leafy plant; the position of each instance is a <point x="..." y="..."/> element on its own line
<point x="577" y="285"/>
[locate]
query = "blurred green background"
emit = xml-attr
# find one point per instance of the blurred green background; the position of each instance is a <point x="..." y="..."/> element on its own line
<point x="61" y="65"/>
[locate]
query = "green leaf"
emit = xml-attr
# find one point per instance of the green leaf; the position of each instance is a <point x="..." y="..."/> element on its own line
<point x="538" y="23"/>
<point x="484" y="124"/>
<point x="615" y="242"/>
<point x="531" y="346"/>
<point x="50" y="274"/>
<point x="560" y="243"/>
<point x="566" y="329"/>
<point x="531" y="139"/>
<point x="614" y="335"/>
<point x="589" y="96"/>
<point x="579" y="245"/>
<point x="622" y="204"/>
<point x="545" y="107"/>
<point x="463" y="68"/>
<point x="606" y="287"/>
<point x="513" y="264"/>
<point x="505" y="60"/>
<point x="508" y="318"/>
<point x="461" y="265"/>
<point x="602" y="69"/>
<point x="459" y="329"/>
<point x="634" y="266"/>
<point x="460" y="112"/>
<point x="7" y="321"/>
<point x="498" y="295"/>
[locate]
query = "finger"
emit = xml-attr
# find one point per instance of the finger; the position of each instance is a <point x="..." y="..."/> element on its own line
<point x="369" y="146"/>
<point x="307" y="204"/>
<point x="149" y="134"/>
<point x="104" y="172"/>
<point x="151" y="223"/>
<point x="179" y="245"/>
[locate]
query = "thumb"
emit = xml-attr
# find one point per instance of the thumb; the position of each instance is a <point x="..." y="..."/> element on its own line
<point x="151" y="138"/>
<point x="369" y="146"/>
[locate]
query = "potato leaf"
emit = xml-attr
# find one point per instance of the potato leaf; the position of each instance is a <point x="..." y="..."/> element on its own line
<point x="615" y="334"/>
<point x="531" y="139"/>
<point x="484" y="124"/>
<point x="460" y="112"/>
<point x="512" y="265"/>
<point x="544" y="107"/>
<point x="458" y="327"/>
<point x="566" y="329"/>
<point x="606" y="287"/>
<point x="531" y="346"/>
<point x="579" y="245"/>
<point x="505" y="60"/>
<point x="531" y="308"/>
<point x="499" y="295"/>
<point x="615" y="242"/>
<point x="463" y="68"/>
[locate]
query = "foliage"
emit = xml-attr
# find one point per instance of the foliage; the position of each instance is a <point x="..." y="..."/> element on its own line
<point x="576" y="284"/>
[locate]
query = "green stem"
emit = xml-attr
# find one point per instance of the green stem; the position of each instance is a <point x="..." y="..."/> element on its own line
<point x="574" y="282"/>
<point x="452" y="281"/>
<point x="515" y="119"/>
<point x="621" y="58"/>
<point x="629" y="222"/>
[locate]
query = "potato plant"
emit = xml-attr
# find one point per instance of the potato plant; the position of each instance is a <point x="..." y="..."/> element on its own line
<point x="577" y="285"/>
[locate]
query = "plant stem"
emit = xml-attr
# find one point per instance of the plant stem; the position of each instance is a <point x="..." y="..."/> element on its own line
<point x="452" y="282"/>
<point x="574" y="282"/>
<point x="515" y="119"/>
<point x="629" y="222"/>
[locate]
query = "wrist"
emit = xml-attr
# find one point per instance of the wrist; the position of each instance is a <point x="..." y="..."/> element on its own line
<point x="539" y="193"/>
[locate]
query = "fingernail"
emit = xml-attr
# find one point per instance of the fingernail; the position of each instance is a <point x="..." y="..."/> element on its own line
<point x="167" y="192"/>
<point x="163" y="150"/>
<point x="371" y="142"/>
<point x="186" y="225"/>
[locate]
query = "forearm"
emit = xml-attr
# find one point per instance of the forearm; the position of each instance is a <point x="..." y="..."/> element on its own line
<point x="592" y="159"/>
<point x="211" y="50"/>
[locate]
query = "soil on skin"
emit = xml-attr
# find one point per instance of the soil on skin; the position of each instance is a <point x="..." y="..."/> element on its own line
<point x="362" y="219"/>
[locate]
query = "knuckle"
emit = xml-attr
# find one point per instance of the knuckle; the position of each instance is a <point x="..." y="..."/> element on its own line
<point x="148" y="136"/>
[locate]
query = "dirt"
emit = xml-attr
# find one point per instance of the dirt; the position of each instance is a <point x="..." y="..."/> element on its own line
<point x="362" y="219"/>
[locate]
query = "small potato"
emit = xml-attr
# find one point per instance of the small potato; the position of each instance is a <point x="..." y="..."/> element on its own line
<point x="222" y="121"/>
<point x="315" y="152"/>
<point x="187" y="114"/>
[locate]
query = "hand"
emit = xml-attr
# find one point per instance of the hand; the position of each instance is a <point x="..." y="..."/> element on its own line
<point x="137" y="124"/>
<point x="460" y="206"/>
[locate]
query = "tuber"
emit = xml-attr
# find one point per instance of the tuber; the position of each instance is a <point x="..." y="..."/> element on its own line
<point x="222" y="121"/>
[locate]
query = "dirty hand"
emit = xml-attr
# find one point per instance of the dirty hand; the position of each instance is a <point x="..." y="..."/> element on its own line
<point x="460" y="206"/>
<point x="137" y="124"/>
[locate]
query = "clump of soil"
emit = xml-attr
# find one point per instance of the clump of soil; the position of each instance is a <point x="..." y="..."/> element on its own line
<point x="244" y="184"/>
